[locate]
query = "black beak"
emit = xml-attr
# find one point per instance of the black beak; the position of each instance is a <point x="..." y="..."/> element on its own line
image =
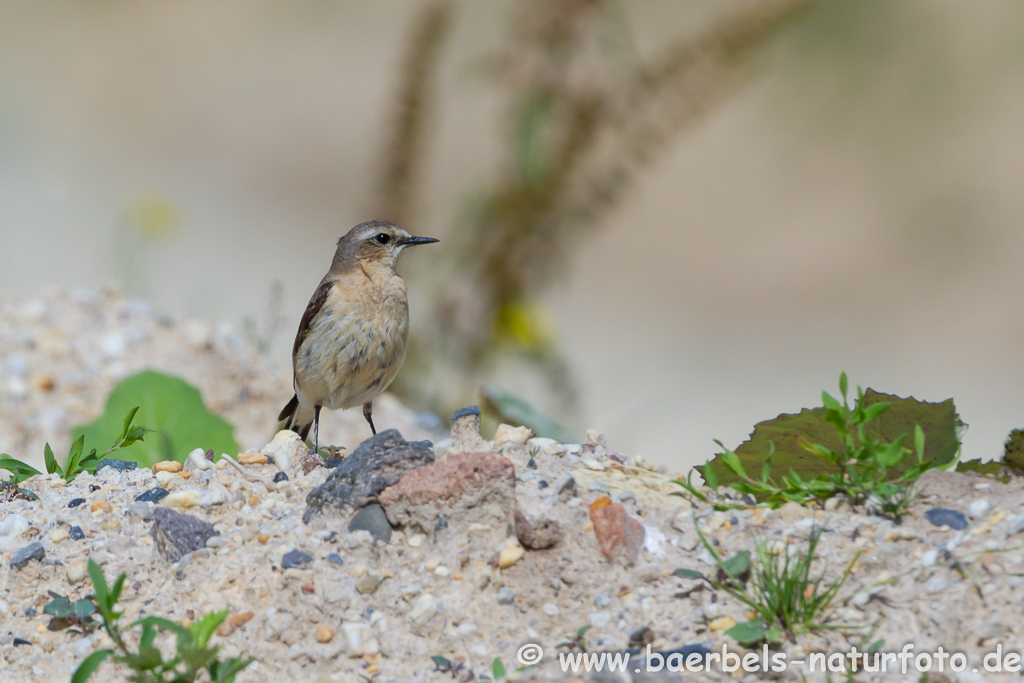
<point x="413" y="241"/>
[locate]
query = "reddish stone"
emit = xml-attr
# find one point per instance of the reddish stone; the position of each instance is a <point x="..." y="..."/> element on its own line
<point x="617" y="532"/>
<point x="467" y="487"/>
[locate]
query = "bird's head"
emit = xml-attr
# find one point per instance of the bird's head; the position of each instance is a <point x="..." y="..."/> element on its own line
<point x="376" y="243"/>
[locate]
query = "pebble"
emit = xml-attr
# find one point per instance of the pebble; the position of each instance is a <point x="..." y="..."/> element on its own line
<point x="929" y="557"/>
<point x="182" y="499"/>
<point x="946" y="517"/>
<point x="110" y="523"/>
<point x="508" y="434"/>
<point x="335" y="558"/>
<point x="546" y="445"/>
<point x="324" y="634"/>
<point x="58" y="535"/>
<point x="369" y="582"/>
<point x="602" y="601"/>
<point x="167" y="466"/>
<point x="76" y="569"/>
<point x="100" y="506"/>
<point x="978" y="508"/>
<point x="550" y="609"/>
<point x="598" y="486"/>
<point x="372" y="518"/>
<point x="936" y="584"/>
<point x="76" y="533"/>
<point x="359" y="640"/>
<point x="1016" y="524"/>
<point x="278" y="478"/>
<point x="423" y="610"/>
<point x="75" y="502"/>
<point x="511" y="553"/>
<point x="599" y="619"/>
<point x="721" y="624"/>
<point x="529" y="475"/>
<point x="293" y="559"/>
<point x="252" y="459"/>
<point x="506" y="595"/>
<point x="23" y="556"/>
<point x="116" y="465"/>
<point x="153" y="495"/>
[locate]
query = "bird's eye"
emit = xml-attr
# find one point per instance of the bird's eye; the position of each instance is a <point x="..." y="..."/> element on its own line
<point x="383" y="238"/>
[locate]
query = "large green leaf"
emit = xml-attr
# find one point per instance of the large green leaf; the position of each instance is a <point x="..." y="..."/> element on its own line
<point x="513" y="410"/>
<point x="171" y="407"/>
<point x="940" y="423"/>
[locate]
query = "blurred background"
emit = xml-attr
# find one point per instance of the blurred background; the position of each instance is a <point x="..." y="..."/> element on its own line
<point x="665" y="221"/>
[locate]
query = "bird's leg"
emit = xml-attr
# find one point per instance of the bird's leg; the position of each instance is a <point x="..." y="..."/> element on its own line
<point x="368" y="414"/>
<point x="316" y="429"/>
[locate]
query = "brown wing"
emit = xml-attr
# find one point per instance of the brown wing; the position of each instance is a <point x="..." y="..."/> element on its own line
<point x="316" y="302"/>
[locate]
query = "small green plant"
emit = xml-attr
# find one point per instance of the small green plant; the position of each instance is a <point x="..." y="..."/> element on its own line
<point x="776" y="586"/>
<point x="193" y="654"/>
<point x="497" y="669"/>
<point x="862" y="465"/>
<point x="66" y="613"/>
<point x="76" y="463"/>
<point x="576" y="641"/>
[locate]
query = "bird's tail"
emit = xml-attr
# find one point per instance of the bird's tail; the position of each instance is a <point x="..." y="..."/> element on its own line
<point x="292" y="412"/>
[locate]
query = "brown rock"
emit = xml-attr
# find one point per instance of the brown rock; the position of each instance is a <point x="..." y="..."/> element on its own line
<point x="538" y="535"/>
<point x="465" y="488"/>
<point x="233" y="622"/>
<point x="617" y="533"/>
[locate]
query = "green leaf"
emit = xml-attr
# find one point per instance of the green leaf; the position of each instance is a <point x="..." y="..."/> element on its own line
<point x="99" y="586"/>
<point x="51" y="462"/>
<point x="732" y="462"/>
<point x="874" y="647"/>
<point x="84" y="609"/>
<point x="582" y="630"/>
<point x="59" y="607"/>
<point x="89" y="665"/>
<point x="440" y="662"/>
<point x="71" y="466"/>
<point x="19" y="469"/>
<point x="843" y="384"/>
<point x="171" y="407"/>
<point x="159" y="622"/>
<point x="497" y="669"/>
<point x="148" y="657"/>
<point x="202" y="629"/>
<point x="752" y="631"/>
<point x="688" y="574"/>
<point x="938" y="421"/>
<point x="710" y="477"/>
<point x="738" y="563"/>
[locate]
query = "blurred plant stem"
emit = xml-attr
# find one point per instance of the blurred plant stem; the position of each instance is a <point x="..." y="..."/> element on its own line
<point x="580" y="124"/>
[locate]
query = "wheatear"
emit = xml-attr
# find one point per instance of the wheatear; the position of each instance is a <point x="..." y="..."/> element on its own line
<point x="351" y="339"/>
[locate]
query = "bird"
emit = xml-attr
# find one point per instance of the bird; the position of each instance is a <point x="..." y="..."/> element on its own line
<point x="352" y="336"/>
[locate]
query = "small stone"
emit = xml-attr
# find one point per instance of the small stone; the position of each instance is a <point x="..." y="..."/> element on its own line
<point x="369" y="582"/>
<point x="75" y="502"/>
<point x="602" y="601"/>
<point x="423" y="610"/>
<point x="138" y="509"/>
<point x="218" y="495"/>
<point x="289" y="451"/>
<point x="978" y="508"/>
<point x="506" y="595"/>
<point x="359" y="640"/>
<point x="182" y="499"/>
<point x="565" y="485"/>
<point x="929" y="557"/>
<point x="324" y="634"/>
<point x="278" y="478"/>
<point x="546" y="445"/>
<point x="542" y="484"/>
<point x="176" y="535"/>
<point x="509" y="434"/>
<point x="617" y="533"/>
<point x="100" y="506"/>
<point x="23" y="556"/>
<point x="153" y="495"/>
<point x="551" y="609"/>
<point x="58" y="535"/>
<point x="372" y="518"/>
<point x="263" y="538"/>
<point x="529" y="475"/>
<point x="335" y="558"/>
<point x="511" y="553"/>
<point x="598" y="486"/>
<point x="595" y="465"/>
<point x="599" y="619"/>
<point x="721" y="624"/>
<point x="198" y="462"/>
<point x="76" y="569"/>
<point x="946" y="517"/>
<point x="1016" y="524"/>
<point x="531" y="464"/>
<point x="537" y="535"/>
<point x="596" y="439"/>
<point x="116" y="465"/>
<point x="252" y="459"/>
<point x="172" y="466"/>
<point x="233" y="623"/>
<point x="294" y="559"/>
<point x="110" y="523"/>
<point x="76" y="533"/>
<point x="936" y="584"/>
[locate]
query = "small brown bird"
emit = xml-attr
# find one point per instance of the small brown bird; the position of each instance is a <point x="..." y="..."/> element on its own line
<point x="351" y="339"/>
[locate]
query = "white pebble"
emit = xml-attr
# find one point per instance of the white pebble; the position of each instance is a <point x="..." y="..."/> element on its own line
<point x="978" y="508"/>
<point x="599" y="619"/>
<point x="929" y="557"/>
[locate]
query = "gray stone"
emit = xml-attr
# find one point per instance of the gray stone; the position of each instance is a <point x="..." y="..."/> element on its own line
<point x="565" y="486"/>
<point x="377" y="463"/>
<point x="506" y="595"/>
<point x="945" y="517"/>
<point x="373" y="519"/>
<point x="22" y="556"/>
<point x="175" y="534"/>
<point x="293" y="559"/>
<point x="116" y="465"/>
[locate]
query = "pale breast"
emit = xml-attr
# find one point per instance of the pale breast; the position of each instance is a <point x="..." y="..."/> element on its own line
<point x="356" y="345"/>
